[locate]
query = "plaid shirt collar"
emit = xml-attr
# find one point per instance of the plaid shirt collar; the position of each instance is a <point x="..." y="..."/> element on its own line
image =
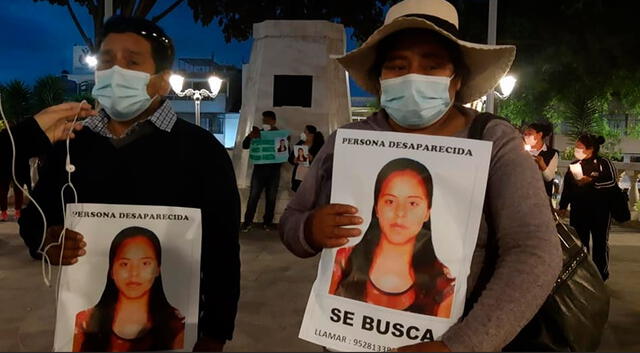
<point x="164" y="118"/>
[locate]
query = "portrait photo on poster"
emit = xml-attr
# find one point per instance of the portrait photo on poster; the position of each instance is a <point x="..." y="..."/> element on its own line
<point x="395" y="265"/>
<point x="301" y="155"/>
<point x="136" y="289"/>
<point x="403" y="280"/>
<point x="134" y="283"/>
<point x="282" y="146"/>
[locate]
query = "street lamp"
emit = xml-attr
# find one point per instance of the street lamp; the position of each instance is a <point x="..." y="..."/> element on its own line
<point x="507" y="84"/>
<point x="91" y="61"/>
<point x="215" y="83"/>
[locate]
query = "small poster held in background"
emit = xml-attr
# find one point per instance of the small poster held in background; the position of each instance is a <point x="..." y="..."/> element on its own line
<point x="144" y="258"/>
<point x="272" y="147"/>
<point x="301" y="155"/>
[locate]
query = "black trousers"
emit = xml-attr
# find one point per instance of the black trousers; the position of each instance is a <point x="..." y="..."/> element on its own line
<point x="594" y="226"/>
<point x="265" y="177"/>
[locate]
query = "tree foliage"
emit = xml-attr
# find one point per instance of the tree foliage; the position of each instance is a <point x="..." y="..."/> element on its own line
<point x="47" y="91"/>
<point x="570" y="52"/>
<point x="95" y="8"/>
<point x="16" y="97"/>
<point x="236" y="17"/>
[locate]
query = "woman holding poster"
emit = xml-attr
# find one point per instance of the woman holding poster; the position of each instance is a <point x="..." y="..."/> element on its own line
<point x="400" y="230"/>
<point x="423" y="75"/>
<point x="133" y="313"/>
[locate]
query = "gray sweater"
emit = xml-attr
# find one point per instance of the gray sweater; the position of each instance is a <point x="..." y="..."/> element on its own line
<point x="528" y="256"/>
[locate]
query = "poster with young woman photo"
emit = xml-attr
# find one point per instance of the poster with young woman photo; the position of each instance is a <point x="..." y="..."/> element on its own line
<point x="301" y="155"/>
<point x="136" y="289"/>
<point x="404" y="280"/>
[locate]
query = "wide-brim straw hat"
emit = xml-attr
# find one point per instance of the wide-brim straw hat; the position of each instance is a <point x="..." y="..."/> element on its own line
<point x="487" y="63"/>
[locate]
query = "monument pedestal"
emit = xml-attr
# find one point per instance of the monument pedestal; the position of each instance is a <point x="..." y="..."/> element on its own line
<point x="291" y="72"/>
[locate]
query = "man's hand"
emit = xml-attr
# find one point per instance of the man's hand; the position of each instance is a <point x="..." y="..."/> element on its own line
<point x="206" y="344"/>
<point x="255" y="133"/>
<point x="56" y="121"/>
<point x="324" y="228"/>
<point x="435" y="346"/>
<point x="73" y="246"/>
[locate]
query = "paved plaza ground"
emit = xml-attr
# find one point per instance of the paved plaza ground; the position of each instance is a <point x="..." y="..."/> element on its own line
<point x="275" y="287"/>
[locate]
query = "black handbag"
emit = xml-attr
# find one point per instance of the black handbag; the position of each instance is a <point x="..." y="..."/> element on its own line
<point x="573" y="316"/>
<point x="619" y="204"/>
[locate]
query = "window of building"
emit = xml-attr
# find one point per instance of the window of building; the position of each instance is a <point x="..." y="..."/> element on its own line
<point x="292" y="91"/>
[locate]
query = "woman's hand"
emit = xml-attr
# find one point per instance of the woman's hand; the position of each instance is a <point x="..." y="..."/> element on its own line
<point x="324" y="228"/>
<point x="540" y="162"/>
<point x="435" y="346"/>
<point x="56" y="121"/>
<point x="74" y="245"/>
<point x="584" y="180"/>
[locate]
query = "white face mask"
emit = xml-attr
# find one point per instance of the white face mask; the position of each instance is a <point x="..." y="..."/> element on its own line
<point x="122" y="93"/>
<point x="579" y="153"/>
<point x="303" y="136"/>
<point x="530" y="140"/>
<point x="416" y="101"/>
<point x="266" y="127"/>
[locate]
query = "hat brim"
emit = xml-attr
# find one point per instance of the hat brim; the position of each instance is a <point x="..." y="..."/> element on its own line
<point x="487" y="63"/>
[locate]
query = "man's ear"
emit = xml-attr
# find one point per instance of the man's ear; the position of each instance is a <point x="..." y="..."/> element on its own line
<point x="159" y="84"/>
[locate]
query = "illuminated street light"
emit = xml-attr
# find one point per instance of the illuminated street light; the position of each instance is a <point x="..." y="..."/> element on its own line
<point x="507" y="84"/>
<point x="177" y="82"/>
<point x="91" y="61"/>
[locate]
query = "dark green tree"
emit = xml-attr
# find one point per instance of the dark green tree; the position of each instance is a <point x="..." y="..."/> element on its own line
<point x="16" y="97"/>
<point x="47" y="91"/>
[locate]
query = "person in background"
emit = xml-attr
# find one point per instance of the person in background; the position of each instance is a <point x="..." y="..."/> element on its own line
<point x="264" y="177"/>
<point x="22" y="172"/>
<point x="314" y="140"/>
<point x="586" y="191"/>
<point x="423" y="75"/>
<point x="546" y="158"/>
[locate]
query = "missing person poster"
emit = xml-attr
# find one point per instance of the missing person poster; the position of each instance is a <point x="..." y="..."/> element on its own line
<point x="404" y="280"/>
<point x="271" y="147"/>
<point x="137" y="287"/>
<point x="301" y="155"/>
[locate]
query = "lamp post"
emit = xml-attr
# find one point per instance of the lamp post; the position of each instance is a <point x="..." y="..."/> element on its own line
<point x="491" y="39"/>
<point x="215" y="83"/>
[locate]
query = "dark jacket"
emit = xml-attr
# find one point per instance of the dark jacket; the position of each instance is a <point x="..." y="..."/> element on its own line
<point x="186" y="167"/>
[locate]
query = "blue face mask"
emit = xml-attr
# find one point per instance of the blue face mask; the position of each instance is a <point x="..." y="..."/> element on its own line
<point x="122" y="93"/>
<point x="416" y="101"/>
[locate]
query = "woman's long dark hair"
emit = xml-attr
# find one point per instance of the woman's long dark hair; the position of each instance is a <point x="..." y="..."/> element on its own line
<point x="164" y="318"/>
<point x="318" y="139"/>
<point x="426" y="265"/>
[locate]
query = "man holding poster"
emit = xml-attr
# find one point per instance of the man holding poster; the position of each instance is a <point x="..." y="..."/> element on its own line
<point x="135" y="152"/>
<point x="268" y="149"/>
<point x="417" y="264"/>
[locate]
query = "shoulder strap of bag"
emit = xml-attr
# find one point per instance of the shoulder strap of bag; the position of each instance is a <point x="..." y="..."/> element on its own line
<point x="479" y="124"/>
<point x="476" y="131"/>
